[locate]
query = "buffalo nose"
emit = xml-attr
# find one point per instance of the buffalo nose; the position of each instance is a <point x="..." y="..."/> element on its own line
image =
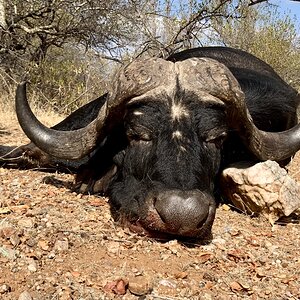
<point x="183" y="211"/>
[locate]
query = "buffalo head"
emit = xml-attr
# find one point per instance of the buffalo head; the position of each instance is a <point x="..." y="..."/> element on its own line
<point x="158" y="141"/>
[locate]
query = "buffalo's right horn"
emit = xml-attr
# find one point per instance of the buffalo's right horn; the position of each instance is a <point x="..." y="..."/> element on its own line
<point x="135" y="79"/>
<point x="62" y="144"/>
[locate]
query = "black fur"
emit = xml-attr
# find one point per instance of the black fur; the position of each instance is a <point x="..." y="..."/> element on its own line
<point x="158" y="164"/>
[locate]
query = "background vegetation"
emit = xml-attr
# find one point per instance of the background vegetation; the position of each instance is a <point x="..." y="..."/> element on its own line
<point x="69" y="50"/>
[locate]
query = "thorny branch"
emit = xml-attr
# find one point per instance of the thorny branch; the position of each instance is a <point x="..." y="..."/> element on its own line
<point x="187" y="31"/>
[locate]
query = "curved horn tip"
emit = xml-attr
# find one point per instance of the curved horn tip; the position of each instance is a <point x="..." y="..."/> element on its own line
<point x="22" y="86"/>
<point x="23" y="83"/>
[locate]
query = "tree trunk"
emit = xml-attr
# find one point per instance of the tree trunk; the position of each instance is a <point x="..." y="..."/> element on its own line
<point x="3" y="23"/>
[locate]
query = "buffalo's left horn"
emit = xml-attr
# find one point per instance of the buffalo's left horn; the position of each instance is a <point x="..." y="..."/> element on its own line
<point x="265" y="145"/>
<point x="214" y="78"/>
<point x="135" y="79"/>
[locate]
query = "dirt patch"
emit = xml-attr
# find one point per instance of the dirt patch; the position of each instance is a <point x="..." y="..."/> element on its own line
<point x="56" y="244"/>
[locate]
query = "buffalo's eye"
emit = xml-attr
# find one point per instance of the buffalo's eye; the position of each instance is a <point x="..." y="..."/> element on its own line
<point x="138" y="133"/>
<point x="118" y="159"/>
<point x="216" y="136"/>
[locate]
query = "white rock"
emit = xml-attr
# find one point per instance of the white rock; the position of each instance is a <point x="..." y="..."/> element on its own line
<point x="167" y="283"/>
<point x="25" y="296"/>
<point x="264" y="188"/>
<point x="61" y="245"/>
<point x="32" y="266"/>
<point x="26" y="222"/>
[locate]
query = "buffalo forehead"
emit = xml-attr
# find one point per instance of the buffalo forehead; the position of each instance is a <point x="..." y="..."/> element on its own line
<point x="195" y="75"/>
<point x="202" y="76"/>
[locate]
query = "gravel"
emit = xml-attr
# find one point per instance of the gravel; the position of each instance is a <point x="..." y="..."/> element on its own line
<point x="56" y="244"/>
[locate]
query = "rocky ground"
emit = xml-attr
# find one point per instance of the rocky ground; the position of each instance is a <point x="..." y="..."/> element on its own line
<point x="56" y="244"/>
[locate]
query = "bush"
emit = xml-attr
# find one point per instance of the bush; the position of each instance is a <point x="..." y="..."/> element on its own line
<point x="67" y="79"/>
<point x="266" y="33"/>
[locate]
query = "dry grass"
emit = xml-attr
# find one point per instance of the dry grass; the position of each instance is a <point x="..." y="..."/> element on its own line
<point x="8" y="114"/>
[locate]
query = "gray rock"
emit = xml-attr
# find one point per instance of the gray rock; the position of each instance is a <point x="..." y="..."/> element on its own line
<point x="264" y="188"/>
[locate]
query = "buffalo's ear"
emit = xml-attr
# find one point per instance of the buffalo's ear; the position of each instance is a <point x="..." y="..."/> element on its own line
<point x="30" y="156"/>
<point x="82" y="116"/>
<point x="89" y="180"/>
<point x="96" y="174"/>
<point x="25" y="156"/>
<point x="5" y="151"/>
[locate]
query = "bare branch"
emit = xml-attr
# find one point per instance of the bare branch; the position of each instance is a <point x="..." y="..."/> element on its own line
<point x="40" y="29"/>
<point x="3" y="23"/>
<point x="254" y="2"/>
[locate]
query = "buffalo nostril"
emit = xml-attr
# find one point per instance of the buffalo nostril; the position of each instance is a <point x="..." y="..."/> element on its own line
<point x="182" y="210"/>
<point x="201" y="223"/>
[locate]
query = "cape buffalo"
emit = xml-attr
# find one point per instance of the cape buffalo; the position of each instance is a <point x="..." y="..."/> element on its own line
<point x="157" y="141"/>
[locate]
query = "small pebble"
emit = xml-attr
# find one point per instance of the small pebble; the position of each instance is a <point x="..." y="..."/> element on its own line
<point x="51" y="255"/>
<point x="5" y="288"/>
<point x="26" y="222"/>
<point x="140" y="285"/>
<point x="61" y="245"/>
<point x="32" y="266"/>
<point x="167" y="283"/>
<point x="31" y="242"/>
<point x="25" y="296"/>
<point x="14" y="240"/>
